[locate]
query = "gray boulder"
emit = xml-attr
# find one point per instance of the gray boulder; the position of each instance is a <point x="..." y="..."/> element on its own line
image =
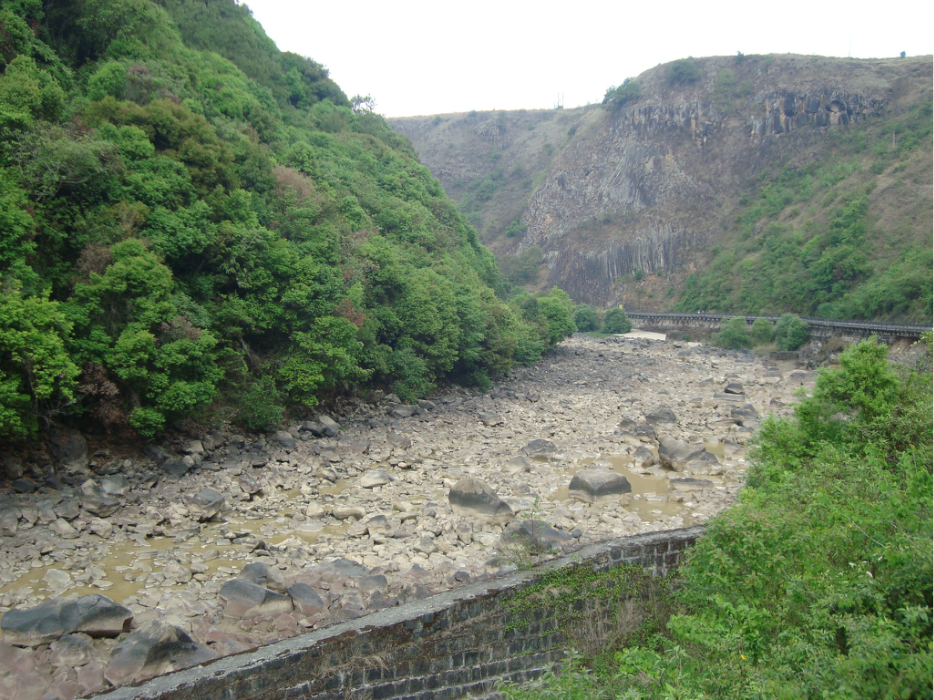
<point x="245" y="599"/>
<point x="307" y="600"/>
<point x="541" y="449"/>
<point x="331" y="427"/>
<point x="534" y="536"/>
<point x="398" y="410"/>
<point x="644" y="457"/>
<point x="489" y="419"/>
<point x="591" y="484"/>
<point x="400" y="441"/>
<point x="262" y="575"/>
<point x="374" y="478"/>
<point x="734" y="388"/>
<point x="637" y="429"/>
<point x="688" y="484"/>
<point x="206" y="504"/>
<point x="744" y="414"/>
<point x="70" y="449"/>
<point x="92" y="614"/>
<point x="661" y="416"/>
<point x="72" y="650"/>
<point x="283" y="439"/>
<point x="96" y="502"/>
<point x="115" y="485"/>
<point x="676" y="454"/>
<point x="472" y="497"/>
<point x="155" y="648"/>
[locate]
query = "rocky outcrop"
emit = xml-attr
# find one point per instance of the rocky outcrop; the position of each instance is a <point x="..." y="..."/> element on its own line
<point x="649" y="189"/>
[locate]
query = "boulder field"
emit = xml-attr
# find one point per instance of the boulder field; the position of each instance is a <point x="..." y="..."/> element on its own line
<point x="118" y="568"/>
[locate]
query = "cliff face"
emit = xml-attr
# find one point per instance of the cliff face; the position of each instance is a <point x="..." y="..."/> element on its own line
<point x="652" y="187"/>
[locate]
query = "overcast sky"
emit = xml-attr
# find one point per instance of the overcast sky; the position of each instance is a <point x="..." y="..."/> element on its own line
<point x="437" y="56"/>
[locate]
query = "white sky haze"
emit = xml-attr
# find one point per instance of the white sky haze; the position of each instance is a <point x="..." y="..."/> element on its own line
<point x="437" y="56"/>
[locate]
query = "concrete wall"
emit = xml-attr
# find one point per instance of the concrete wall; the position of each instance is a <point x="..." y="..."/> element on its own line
<point x="460" y="643"/>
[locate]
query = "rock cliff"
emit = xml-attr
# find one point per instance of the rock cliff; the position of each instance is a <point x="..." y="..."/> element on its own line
<point x="647" y="191"/>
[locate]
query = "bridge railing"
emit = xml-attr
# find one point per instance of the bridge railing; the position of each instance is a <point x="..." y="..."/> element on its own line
<point x="898" y="330"/>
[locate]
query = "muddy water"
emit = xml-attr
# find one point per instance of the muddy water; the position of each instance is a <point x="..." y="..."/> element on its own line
<point x="127" y="564"/>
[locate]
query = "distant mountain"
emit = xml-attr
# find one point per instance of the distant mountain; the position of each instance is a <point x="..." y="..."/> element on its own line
<point x="755" y="184"/>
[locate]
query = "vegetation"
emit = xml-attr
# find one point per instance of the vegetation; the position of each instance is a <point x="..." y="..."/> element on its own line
<point x="618" y="97"/>
<point x="733" y="334"/>
<point x="616" y="321"/>
<point x="790" y="332"/>
<point x="196" y="225"/>
<point x="761" y="331"/>
<point x="586" y="318"/>
<point x="683" y="72"/>
<point x="818" y="582"/>
<point x="805" y="238"/>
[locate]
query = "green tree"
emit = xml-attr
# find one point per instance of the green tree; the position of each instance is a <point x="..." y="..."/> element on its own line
<point x="791" y="332"/>
<point x="734" y="334"/>
<point x="586" y="318"/>
<point x="683" y="72"/>
<point x="616" y="321"/>
<point x="618" y="97"/>
<point x="761" y="331"/>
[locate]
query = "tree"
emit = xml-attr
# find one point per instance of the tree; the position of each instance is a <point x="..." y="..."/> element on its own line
<point x="586" y="318"/>
<point x="791" y="332"/>
<point x="734" y="334"/>
<point x="616" y="321"/>
<point x="761" y="331"/>
<point x="617" y="97"/>
<point x="683" y="71"/>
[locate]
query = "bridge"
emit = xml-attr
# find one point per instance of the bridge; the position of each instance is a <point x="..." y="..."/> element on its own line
<point x="821" y="328"/>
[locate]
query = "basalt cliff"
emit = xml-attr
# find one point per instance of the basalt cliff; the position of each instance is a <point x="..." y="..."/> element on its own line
<point x="637" y="203"/>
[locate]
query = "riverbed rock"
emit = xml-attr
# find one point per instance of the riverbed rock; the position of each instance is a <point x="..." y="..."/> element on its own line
<point x="261" y="574"/>
<point x="472" y="497"/>
<point x="534" y="537"/>
<point x="331" y="427"/>
<point x="283" y="439"/>
<point x="744" y="414"/>
<point x="72" y="650"/>
<point x="591" y="484"/>
<point x="245" y="599"/>
<point x="734" y="388"/>
<point x="374" y="478"/>
<point x="675" y="454"/>
<point x="155" y="648"/>
<point x="307" y="600"/>
<point x="540" y="449"/>
<point x="92" y="614"/>
<point x="96" y="502"/>
<point x="70" y="449"/>
<point x="661" y="416"/>
<point x="399" y="410"/>
<point x="206" y="504"/>
<point x="639" y="429"/>
<point x="644" y="457"/>
<point x="690" y="484"/>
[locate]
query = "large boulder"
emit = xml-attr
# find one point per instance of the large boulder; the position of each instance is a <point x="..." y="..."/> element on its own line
<point x="307" y="600"/>
<point x="70" y="449"/>
<point x="92" y="614"/>
<point x="534" y="536"/>
<point x="472" y="497"/>
<point x="676" y="454"/>
<point x="155" y="648"/>
<point x="96" y="502"/>
<point x="374" y="478"/>
<point x="744" y="414"/>
<point x="206" y="504"/>
<point x="661" y="416"/>
<point x="627" y="426"/>
<point x="245" y="599"/>
<point x="591" y="484"/>
<point x="541" y="449"/>
<point x="331" y="426"/>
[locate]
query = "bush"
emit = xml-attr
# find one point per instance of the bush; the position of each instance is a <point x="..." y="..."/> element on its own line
<point x="617" y="97"/>
<point x="734" y="334"/>
<point x="616" y="321"/>
<point x="586" y="318"/>
<point x="683" y="71"/>
<point x="790" y="332"/>
<point x="761" y="331"/>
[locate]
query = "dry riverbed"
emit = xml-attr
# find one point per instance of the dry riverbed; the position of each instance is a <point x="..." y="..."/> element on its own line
<point x="337" y="525"/>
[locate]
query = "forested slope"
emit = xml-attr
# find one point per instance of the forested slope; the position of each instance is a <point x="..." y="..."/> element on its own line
<point x="186" y="236"/>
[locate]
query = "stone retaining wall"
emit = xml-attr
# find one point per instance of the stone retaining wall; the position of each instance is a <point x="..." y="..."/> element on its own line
<point x="459" y="643"/>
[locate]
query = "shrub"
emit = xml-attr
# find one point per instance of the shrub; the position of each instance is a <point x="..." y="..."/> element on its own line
<point x="734" y="334"/>
<point x="683" y="71"/>
<point x="761" y="331"/>
<point x="616" y="321"/>
<point x="586" y="318"/>
<point x="790" y="332"/>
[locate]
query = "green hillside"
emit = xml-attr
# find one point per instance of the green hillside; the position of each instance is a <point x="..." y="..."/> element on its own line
<point x="196" y="225"/>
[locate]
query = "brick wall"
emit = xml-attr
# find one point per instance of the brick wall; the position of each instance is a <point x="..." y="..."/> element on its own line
<point x="459" y="643"/>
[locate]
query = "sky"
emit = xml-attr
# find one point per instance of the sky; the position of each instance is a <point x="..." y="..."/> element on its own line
<point x="417" y="57"/>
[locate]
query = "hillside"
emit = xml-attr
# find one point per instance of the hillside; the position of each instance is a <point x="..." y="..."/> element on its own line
<point x="756" y="184"/>
<point x="194" y="225"/>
